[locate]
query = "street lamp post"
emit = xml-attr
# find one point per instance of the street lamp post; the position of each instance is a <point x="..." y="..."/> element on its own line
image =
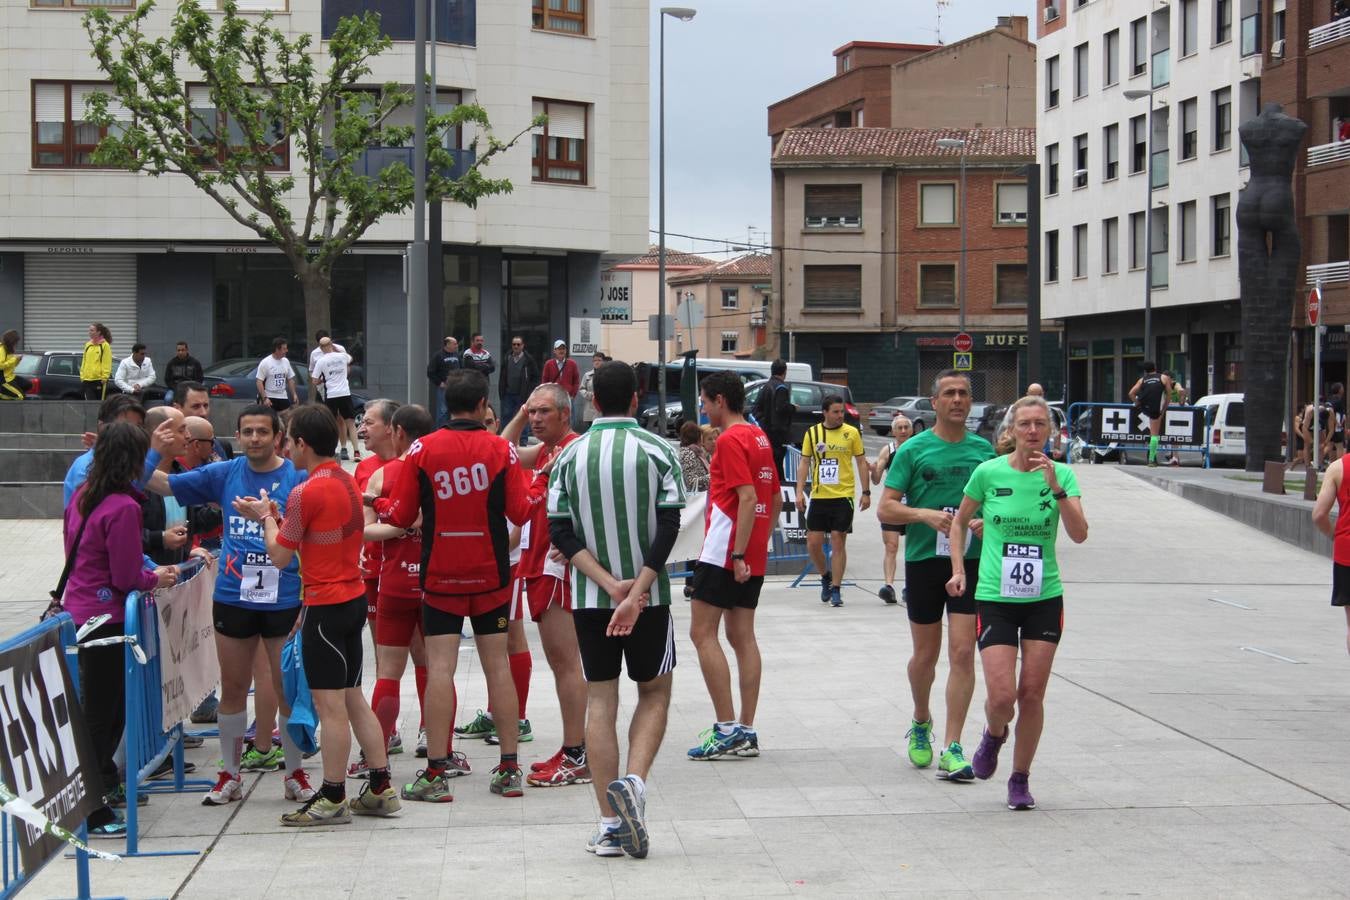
<point x="1148" y="220"/>
<point x="417" y="251"/>
<point x="684" y="14"/>
<point x="953" y="144"/>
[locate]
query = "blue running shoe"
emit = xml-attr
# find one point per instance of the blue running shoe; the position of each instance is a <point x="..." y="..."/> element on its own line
<point x="825" y="589"/>
<point x="714" y="744"/>
<point x="835" y="598"/>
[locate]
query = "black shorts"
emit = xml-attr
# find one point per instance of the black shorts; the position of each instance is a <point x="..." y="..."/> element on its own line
<point x="341" y="406"/>
<point x="243" y="623"/>
<point x="1151" y="412"/>
<point x="647" y="653"/>
<point x="279" y="405"/>
<point x="830" y="514"/>
<point x="1338" y="437"/>
<point x="718" y="587"/>
<point x="438" y="622"/>
<point x="332" y="644"/>
<point x="926" y="590"/>
<point x="1001" y="623"/>
<point x="1340" y="585"/>
<point x="887" y="526"/>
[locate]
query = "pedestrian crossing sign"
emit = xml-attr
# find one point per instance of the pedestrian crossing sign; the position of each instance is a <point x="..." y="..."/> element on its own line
<point x="963" y="362"/>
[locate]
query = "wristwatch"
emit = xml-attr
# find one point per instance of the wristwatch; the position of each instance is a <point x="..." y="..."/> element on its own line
<point x="737" y="557"/>
<point x="1060" y="494"/>
<point x="867" y="493"/>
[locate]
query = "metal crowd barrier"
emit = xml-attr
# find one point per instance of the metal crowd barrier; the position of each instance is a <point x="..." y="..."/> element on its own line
<point x="1075" y="410"/>
<point x="14" y="878"/>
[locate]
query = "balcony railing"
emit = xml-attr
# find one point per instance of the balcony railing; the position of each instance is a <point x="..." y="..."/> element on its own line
<point x="1329" y="153"/>
<point x="1251" y="35"/>
<point x="456" y="20"/>
<point x="1158" y="270"/>
<point x="376" y="159"/>
<point x="1329" y="273"/>
<point x="1329" y="33"/>
<point x="1158" y="176"/>
<point x="1162" y="68"/>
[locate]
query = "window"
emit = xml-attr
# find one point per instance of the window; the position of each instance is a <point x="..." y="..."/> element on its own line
<point x="1137" y="242"/>
<point x="832" y="287"/>
<point x="1052" y="255"/>
<point x="1110" y="246"/>
<point x="1080" y="251"/>
<point x="729" y="341"/>
<point x="1189" y="124"/>
<point x="1190" y="26"/>
<point x="560" y="145"/>
<point x="937" y="284"/>
<point x="730" y="300"/>
<point x="1080" y="161"/>
<point x="1080" y="70"/>
<point x="1138" y="47"/>
<point x="1111" y="57"/>
<point x="456" y="20"/>
<point x="1052" y="169"/>
<point x="833" y="205"/>
<point x="61" y="136"/>
<point x="1223" y="21"/>
<point x="1011" y="203"/>
<point x="1052" y="82"/>
<point x="82" y="4"/>
<point x="1138" y="145"/>
<point x="566" y="16"/>
<point x="1010" y="284"/>
<point x="1221" y="221"/>
<point x="1186" y="228"/>
<point x="1110" y="152"/>
<point x="216" y="131"/>
<point x="1223" y="118"/>
<point x="937" y="204"/>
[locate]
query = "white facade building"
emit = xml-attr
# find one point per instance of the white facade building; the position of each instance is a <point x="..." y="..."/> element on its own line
<point x="158" y="261"/>
<point x="1101" y="153"/>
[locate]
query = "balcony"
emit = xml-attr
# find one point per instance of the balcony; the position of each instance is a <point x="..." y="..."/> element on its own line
<point x="456" y="20"/>
<point x="1158" y="176"/>
<point x="376" y="159"/>
<point x="1158" y="270"/>
<point x="1329" y="273"/>
<point x="1162" y="68"/>
<point x="1329" y="153"/>
<point x="757" y="318"/>
<point x="1251" y="35"/>
<point x="1329" y="33"/>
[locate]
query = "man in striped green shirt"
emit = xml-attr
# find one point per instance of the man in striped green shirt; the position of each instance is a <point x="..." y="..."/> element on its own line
<point x="614" y="502"/>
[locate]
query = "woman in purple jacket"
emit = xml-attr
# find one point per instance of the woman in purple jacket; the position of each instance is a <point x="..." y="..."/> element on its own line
<point x="108" y="566"/>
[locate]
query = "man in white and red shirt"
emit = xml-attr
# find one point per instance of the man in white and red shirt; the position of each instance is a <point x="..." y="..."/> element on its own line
<point x="743" y="503"/>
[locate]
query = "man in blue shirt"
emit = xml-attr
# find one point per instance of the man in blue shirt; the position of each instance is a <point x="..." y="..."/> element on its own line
<point x="117" y="408"/>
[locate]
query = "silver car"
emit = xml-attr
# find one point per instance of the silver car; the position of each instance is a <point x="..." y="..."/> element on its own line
<point x="918" y="410"/>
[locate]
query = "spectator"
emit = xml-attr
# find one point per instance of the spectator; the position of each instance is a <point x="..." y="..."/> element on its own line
<point x="1339" y="10"/>
<point x="478" y="358"/>
<point x="693" y="457"/>
<point x="587" y="391"/>
<point x="12" y="387"/>
<point x="195" y="400"/>
<point x="183" y="367"/>
<point x="136" y="372"/>
<point x="562" y="370"/>
<point x="96" y="364"/>
<point x="321" y="391"/>
<point x="773" y="411"/>
<point x="442" y="363"/>
<point x="164" y="522"/>
<point x="331" y="367"/>
<point x="520" y="376"/>
<point x="709" y="435"/>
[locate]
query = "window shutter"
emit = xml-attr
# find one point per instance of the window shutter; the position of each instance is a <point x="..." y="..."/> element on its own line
<point x="832" y="285"/>
<point x="567" y="120"/>
<point x="833" y="201"/>
<point x="1012" y="203"/>
<point x="939" y="204"/>
<point x="199" y="97"/>
<point x="49" y="103"/>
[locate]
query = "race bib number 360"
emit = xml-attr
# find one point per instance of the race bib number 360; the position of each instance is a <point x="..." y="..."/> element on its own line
<point x="1023" y="571"/>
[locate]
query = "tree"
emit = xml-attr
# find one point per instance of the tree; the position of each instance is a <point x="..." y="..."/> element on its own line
<point x="266" y="91"/>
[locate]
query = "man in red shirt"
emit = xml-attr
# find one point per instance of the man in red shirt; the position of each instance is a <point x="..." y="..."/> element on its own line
<point x="325" y="523"/>
<point x="743" y="504"/>
<point x="562" y="370"/>
<point x="465" y="483"/>
<point x="376" y="431"/>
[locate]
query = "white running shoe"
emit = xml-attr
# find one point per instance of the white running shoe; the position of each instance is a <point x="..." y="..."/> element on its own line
<point x="227" y="789"/>
<point x="298" y="788"/>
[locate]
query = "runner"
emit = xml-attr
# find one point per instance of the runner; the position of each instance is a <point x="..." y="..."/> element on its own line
<point x="465" y="483"/>
<point x="331" y="367"/>
<point x="1151" y="393"/>
<point x="743" y="504"/>
<point x="901" y="430"/>
<point x="1019" y="597"/>
<point x="827" y="452"/>
<point x="324" y="524"/>
<point x="1335" y="491"/>
<point x="275" y="379"/>
<point x="614" y="504"/>
<point x="923" y="490"/>
<point x="255" y="601"/>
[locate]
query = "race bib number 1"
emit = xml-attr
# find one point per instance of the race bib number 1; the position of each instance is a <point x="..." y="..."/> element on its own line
<point x="828" y="472"/>
<point x="943" y="547"/>
<point x="259" y="584"/>
<point x="1023" y="571"/>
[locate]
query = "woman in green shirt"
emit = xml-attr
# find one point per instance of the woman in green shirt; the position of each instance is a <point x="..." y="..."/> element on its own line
<point x="1021" y="497"/>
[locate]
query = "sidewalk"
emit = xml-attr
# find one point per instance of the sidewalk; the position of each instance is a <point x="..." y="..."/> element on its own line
<point x="1177" y="759"/>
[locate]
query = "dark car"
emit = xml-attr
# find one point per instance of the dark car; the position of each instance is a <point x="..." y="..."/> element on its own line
<point x="55" y="375"/>
<point x="807" y="397"/>
<point x="234" y="379"/>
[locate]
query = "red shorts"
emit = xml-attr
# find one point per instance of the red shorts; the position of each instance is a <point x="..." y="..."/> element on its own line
<point x="545" y="591"/>
<point x="469" y="605"/>
<point x="372" y="599"/>
<point x="398" y="619"/>
<point x="517" y="599"/>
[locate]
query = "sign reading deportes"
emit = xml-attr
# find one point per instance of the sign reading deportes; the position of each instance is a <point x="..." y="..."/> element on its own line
<point x="46" y="755"/>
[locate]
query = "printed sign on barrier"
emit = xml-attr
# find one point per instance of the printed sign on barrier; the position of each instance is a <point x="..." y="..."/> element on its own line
<point x="187" y="641"/>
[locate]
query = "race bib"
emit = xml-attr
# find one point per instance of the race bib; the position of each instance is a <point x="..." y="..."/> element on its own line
<point x="828" y="472"/>
<point x="943" y="547"/>
<point x="525" y="536"/>
<point x="1023" y="571"/>
<point x="278" y="381"/>
<point x="259" y="584"/>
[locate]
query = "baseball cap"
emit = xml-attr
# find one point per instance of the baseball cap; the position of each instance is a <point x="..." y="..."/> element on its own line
<point x="559" y="343"/>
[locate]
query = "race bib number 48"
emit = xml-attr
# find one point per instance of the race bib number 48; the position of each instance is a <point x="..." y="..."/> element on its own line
<point x="1023" y="571"/>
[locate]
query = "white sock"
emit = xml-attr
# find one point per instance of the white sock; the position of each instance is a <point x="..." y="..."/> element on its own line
<point x="638" y="783"/>
<point x="610" y="823"/>
<point x="232" y="727"/>
<point x="294" y="758"/>
<point x="726" y="727"/>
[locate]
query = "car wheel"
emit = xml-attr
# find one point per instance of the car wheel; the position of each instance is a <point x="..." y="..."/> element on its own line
<point x="881" y="432"/>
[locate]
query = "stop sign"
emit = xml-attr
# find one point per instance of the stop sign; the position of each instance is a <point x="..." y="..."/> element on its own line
<point x="963" y="343"/>
<point x="1314" y="305"/>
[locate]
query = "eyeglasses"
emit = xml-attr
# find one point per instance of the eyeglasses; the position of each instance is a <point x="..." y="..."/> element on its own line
<point x="202" y="440"/>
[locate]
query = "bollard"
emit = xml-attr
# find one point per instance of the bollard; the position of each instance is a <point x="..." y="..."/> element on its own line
<point x="1273" y="482"/>
<point x="1310" y="484"/>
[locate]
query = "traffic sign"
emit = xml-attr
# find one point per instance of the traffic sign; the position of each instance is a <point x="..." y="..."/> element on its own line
<point x="963" y="343"/>
<point x="963" y="362"/>
<point x="1314" y="304"/>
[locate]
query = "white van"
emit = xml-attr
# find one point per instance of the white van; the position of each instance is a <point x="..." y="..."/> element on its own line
<point x="796" y="371"/>
<point x="1227" y="418"/>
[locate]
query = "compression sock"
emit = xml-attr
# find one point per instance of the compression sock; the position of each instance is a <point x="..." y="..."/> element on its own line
<point x="1153" y="448"/>
<point x="384" y="701"/>
<point x="576" y="754"/>
<point x="294" y="758"/>
<point x="232" y="727"/>
<point x="420" y="679"/>
<point x="521" y="666"/>
<point x="334" y="791"/>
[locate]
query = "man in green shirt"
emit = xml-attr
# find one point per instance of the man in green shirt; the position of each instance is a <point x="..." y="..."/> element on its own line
<point x="929" y="471"/>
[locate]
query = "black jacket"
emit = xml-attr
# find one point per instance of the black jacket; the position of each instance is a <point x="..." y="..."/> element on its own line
<point x="441" y="365"/>
<point x="154" y="516"/>
<point x="774" y="409"/>
<point x="182" y="370"/>
<point x="529" y="374"/>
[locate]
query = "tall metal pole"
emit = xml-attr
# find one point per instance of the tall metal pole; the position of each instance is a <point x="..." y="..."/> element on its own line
<point x="661" y="234"/>
<point x="417" y="253"/>
<point x="963" y="237"/>
<point x="1033" y="171"/>
<point x="1148" y="237"/>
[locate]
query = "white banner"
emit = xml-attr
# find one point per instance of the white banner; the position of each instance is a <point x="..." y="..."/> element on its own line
<point x="187" y="645"/>
<point x="690" y="542"/>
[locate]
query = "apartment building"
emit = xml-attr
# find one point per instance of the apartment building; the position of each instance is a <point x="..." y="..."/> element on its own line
<point x="631" y="340"/>
<point x="1193" y="69"/>
<point x="733" y="297"/>
<point x="158" y="261"/>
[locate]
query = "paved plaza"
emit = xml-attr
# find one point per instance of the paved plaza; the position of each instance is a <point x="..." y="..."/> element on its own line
<point x="1195" y="745"/>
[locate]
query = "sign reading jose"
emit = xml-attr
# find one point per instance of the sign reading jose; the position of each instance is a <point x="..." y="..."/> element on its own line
<point x="1182" y="426"/>
<point x="46" y="755"/>
<point x="616" y="297"/>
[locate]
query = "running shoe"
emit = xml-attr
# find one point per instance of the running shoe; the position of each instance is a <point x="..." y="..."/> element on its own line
<point x="117" y="797"/>
<point x="507" y="782"/>
<point x="715" y="744"/>
<point x="565" y="770"/>
<point x="395" y="744"/>
<point x="228" y="788"/>
<point x="421" y="744"/>
<point x="360" y="768"/>
<point x="985" y="760"/>
<point x="458" y="764"/>
<point x="205" y="711"/>
<point x="631" y="806"/>
<point x="433" y="790"/>
<point x="298" y="788"/>
<point x="920" y="736"/>
<point x="605" y="842"/>
<point x="525" y="735"/>
<point x="165" y="769"/>
<point x="480" y="727"/>
<point x="825" y="589"/>
<point x="952" y="765"/>
<point x="887" y="594"/>
<point x="836" y="599"/>
<point x="344" y="454"/>
<point x="1019" y="792"/>
<point x="751" y="747"/>
<point x="255" y="760"/>
<point x="547" y="763"/>
<point x="118" y="828"/>
<point x="319" y="811"/>
<point x="369" y="803"/>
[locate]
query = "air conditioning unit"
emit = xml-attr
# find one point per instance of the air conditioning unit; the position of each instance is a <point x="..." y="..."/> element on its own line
<point x="1051" y="13"/>
<point x="1277" y="49"/>
<point x="1007" y="218"/>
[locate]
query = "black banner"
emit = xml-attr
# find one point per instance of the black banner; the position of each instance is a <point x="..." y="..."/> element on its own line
<point x="46" y="755"/>
<point x="1182" y="426"/>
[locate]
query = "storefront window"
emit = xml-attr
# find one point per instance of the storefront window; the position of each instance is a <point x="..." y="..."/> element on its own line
<point x="461" y="297"/>
<point x="525" y="307"/>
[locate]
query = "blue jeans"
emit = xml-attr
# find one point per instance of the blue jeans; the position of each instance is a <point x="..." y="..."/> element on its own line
<point x="438" y="398"/>
<point x="510" y="406"/>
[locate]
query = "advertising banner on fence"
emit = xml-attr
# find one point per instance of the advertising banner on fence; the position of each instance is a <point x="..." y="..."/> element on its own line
<point x="46" y="755"/>
<point x="690" y="542"/>
<point x="187" y="645"/>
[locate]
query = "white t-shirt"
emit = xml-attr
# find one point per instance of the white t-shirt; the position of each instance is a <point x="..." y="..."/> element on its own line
<point x="316" y="353"/>
<point x="274" y="373"/>
<point x="332" y="368"/>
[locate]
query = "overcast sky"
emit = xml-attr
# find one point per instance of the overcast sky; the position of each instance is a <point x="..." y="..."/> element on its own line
<point x="727" y="65"/>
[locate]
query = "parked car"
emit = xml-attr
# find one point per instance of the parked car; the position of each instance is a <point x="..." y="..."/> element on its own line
<point x="807" y="397"/>
<point x="977" y="413"/>
<point x="233" y="379"/>
<point x="1226" y="415"/>
<point x="55" y="375"/>
<point x="918" y="410"/>
<point x="992" y="417"/>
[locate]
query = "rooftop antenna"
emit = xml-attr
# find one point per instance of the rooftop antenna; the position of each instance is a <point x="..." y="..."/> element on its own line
<point x="941" y="5"/>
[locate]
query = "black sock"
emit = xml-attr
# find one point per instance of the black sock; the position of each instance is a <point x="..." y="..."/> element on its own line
<point x="509" y="761"/>
<point x="576" y="754"/>
<point x="379" y="779"/>
<point x="436" y="767"/>
<point x="334" y="791"/>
